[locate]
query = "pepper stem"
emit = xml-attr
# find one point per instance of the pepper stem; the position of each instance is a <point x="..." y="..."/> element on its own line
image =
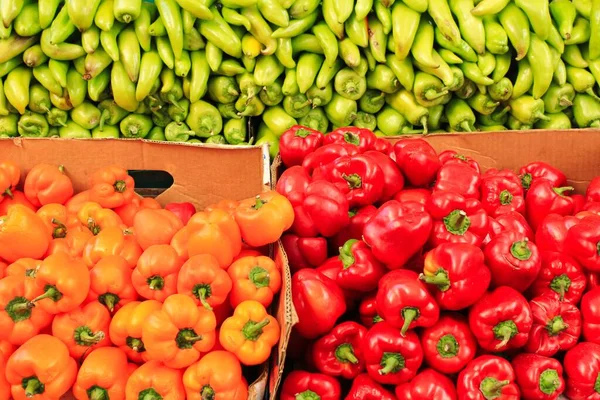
<point x="207" y="393"/>
<point x="120" y="186"/>
<point x="491" y="388"/>
<point x="19" y="309"/>
<point x="302" y="133"/>
<point x="186" y="338"/>
<point x="259" y="277"/>
<point x="149" y="394"/>
<point x="60" y="231"/>
<point x="259" y="203"/>
<point x="549" y="381"/>
<point x="564" y="101"/>
<point x="520" y="250"/>
<point x="203" y="292"/>
<point x="409" y="314"/>
<point x="561" y="190"/>
<point x="32" y="386"/>
<point x="506" y="197"/>
<point x="354" y="180"/>
<point x="50" y="292"/>
<point x="346" y="255"/>
<point x="252" y="330"/>
<point x="526" y="180"/>
<point x="135" y="344"/>
<point x="505" y="331"/>
<point x="448" y="346"/>
<point x="561" y="285"/>
<point x="433" y="94"/>
<point x="556" y="326"/>
<point x="109" y="300"/>
<point x="97" y="393"/>
<point x="597" y="384"/>
<point x="345" y="354"/>
<point x="457" y="222"/>
<point x="439" y="279"/>
<point x="391" y="363"/>
<point x="465" y="126"/>
<point x="156" y="282"/>
<point x="307" y="395"/>
<point x="424" y="124"/>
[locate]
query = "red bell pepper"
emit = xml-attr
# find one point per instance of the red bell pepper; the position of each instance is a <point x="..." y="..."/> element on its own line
<point x="397" y="232"/>
<point x="583" y="242"/>
<point x="391" y="358"/>
<point x="453" y="157"/>
<point x="539" y="377"/>
<point x="556" y="326"/>
<point x="560" y="277"/>
<point x="298" y="142"/>
<point x="579" y="201"/>
<point x="293" y="184"/>
<point x="504" y="173"/>
<point x="590" y="314"/>
<point x="582" y="367"/>
<point x="456" y="219"/>
<point x="535" y="171"/>
<point x="327" y="154"/>
<point x="354" y="230"/>
<point x="331" y="269"/>
<point x="417" y="195"/>
<point x="543" y="199"/>
<point x="383" y="146"/>
<point x="362" y="138"/>
<point x="449" y="345"/>
<point x="304" y="252"/>
<point x="500" y="195"/>
<point x="592" y="193"/>
<point x="459" y="274"/>
<point x="552" y="232"/>
<point x="488" y="377"/>
<point x="513" y="260"/>
<point x="339" y="352"/>
<point x="404" y="302"/>
<point x="392" y="177"/>
<point x="302" y="385"/>
<point x="318" y="301"/>
<point x="593" y="280"/>
<point x="183" y="211"/>
<point x="501" y="320"/>
<point x="510" y="221"/>
<point x="427" y="385"/>
<point x="359" y="269"/>
<point x="365" y="388"/>
<point x="593" y="207"/>
<point x="458" y="178"/>
<point x="417" y="160"/>
<point x="367" y="311"/>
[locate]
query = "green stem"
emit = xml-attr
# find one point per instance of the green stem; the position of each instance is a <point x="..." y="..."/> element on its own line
<point x="457" y="222"/>
<point x="252" y="330"/>
<point x="561" y="284"/>
<point x="491" y="388"/>
<point x="391" y="363"/>
<point x="549" y="381"/>
<point x="448" y="346"/>
<point x="32" y="386"/>
<point x="505" y="331"/>
<point x="203" y="292"/>
<point x="50" y="292"/>
<point x="259" y="203"/>
<point x="409" y="314"/>
<point x="345" y="354"/>
<point x="506" y="197"/>
<point x="109" y="300"/>
<point x="346" y="255"/>
<point x="520" y="250"/>
<point x="465" y="126"/>
<point x="354" y="180"/>
<point x="97" y="393"/>
<point x="120" y="186"/>
<point x="439" y="279"/>
<point x="156" y="282"/>
<point x="307" y="395"/>
<point x="149" y="394"/>
<point x="561" y="190"/>
<point x="259" y="277"/>
<point x="207" y="393"/>
<point x="556" y="326"/>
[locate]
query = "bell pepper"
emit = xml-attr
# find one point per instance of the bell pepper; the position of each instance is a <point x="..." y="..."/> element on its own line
<point x="500" y="195"/>
<point x="383" y="146"/>
<point x="391" y="358"/>
<point x="155" y="380"/>
<point x="449" y="345"/>
<point x="501" y="320"/>
<point x="217" y="374"/>
<point x="340" y="352"/>
<point x="428" y="384"/>
<point x="459" y="178"/>
<point x="368" y="311"/>
<point x="392" y="177"/>
<point x="404" y="302"/>
<point x="509" y="221"/>
<point x="83" y="329"/>
<point x="551" y="234"/>
<point x="302" y="385"/>
<point x="58" y="220"/>
<point x="362" y="138"/>
<point x="304" y="252"/>
<point x="73" y="243"/>
<point x="225" y="205"/>
<point x="365" y="388"/>
<point x="331" y="269"/>
<point x="590" y="303"/>
<point x="96" y="218"/>
<point x="126" y="328"/>
<point x="155" y="276"/>
<point x="540" y="170"/>
<point x="18" y="197"/>
<point x="417" y="160"/>
<point x="358" y="218"/>
<point x="110" y="283"/>
<point x="456" y="219"/>
<point x="418" y="195"/>
<point x="298" y="142"/>
<point x="453" y="157"/>
<point x="580" y="204"/>
<point x="10" y="175"/>
<point x="103" y="374"/>
<point x="560" y="277"/>
<point x="582" y="367"/>
<point x="250" y="333"/>
<point x="539" y="377"/>
<point x="263" y="219"/>
<point x="41" y="368"/>
<point x="127" y="212"/>
<point x="47" y="184"/>
<point x="204" y="281"/>
<point x="183" y="210"/>
<point x="359" y="270"/>
<point x="556" y="326"/>
<point x="582" y="242"/>
<point x="254" y="278"/>
<point x="327" y="154"/>
<point x="397" y="232"/>
<point x="112" y="187"/>
<point x="488" y="377"/>
<point x="543" y="199"/>
<point x="155" y="227"/>
<point x="318" y="301"/>
<point x="592" y="193"/>
<point x="23" y="234"/>
<point x="112" y="242"/>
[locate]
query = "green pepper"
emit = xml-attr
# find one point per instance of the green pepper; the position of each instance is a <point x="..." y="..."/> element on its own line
<point x="482" y="103"/>
<point x="290" y="84"/>
<point x="365" y="120"/>
<point x="108" y="132"/>
<point x="524" y="80"/>
<point x="86" y="115"/>
<point x="371" y="61"/>
<point x="463" y="50"/>
<point x="157" y="28"/>
<point x="403" y="70"/>
<point x="232" y="17"/>
<point x="34" y="56"/>
<point x="460" y="116"/>
<point x="235" y="131"/>
<point x="503" y="62"/>
<point x="228" y="111"/>
<point x="33" y="125"/>
<point x="199" y="76"/>
<point x="436" y="114"/>
<point x="262" y="31"/>
<point x="267" y="70"/>
<point x="179" y="112"/>
<point x="249" y="106"/>
<point x="98" y="86"/>
<point x="7" y="66"/>
<point x="62" y="27"/>
<point x="498" y="117"/>
<point x="492" y="128"/>
<point x="593" y="65"/>
<point x="8" y="125"/>
<point x="301" y="8"/>
<point x="94" y="64"/>
<point x="555" y="121"/>
<point x="266" y="136"/>
<point x="157" y="133"/>
<point x="306" y="43"/>
<point x="527" y="109"/>
<point x="357" y="30"/>
<point x="223" y="89"/>
<point x="307" y="70"/>
<point x="405" y="103"/>
<point x="501" y="90"/>
<point x="150" y="68"/>
<point x="390" y="121"/>
<point x="247" y="85"/>
<point x="326" y="74"/>
<point x="377" y="39"/>
<point x="516" y="125"/>
<point x="573" y="57"/>
<point x="249" y="63"/>
<point x="136" y="126"/>
<point x="582" y="80"/>
<point x="341" y="111"/>
<point x="558" y="98"/>
<point x="216" y="139"/>
<point x="112" y="114"/>
<point x="214" y="56"/>
<point x="429" y="91"/>
<point x="586" y="110"/>
<point x="173" y="94"/>
<point x="178" y="132"/>
<point x="193" y="41"/>
<point x="383" y="79"/>
<point x="349" y="52"/>
<point x="39" y="100"/>
<point x="315" y="119"/>
<point x="449" y="57"/>
<point x="161" y="117"/>
<point x="284" y="52"/>
<point x="16" y="88"/>
<point x="581" y="32"/>
<point x="57" y="117"/>
<point x="204" y="119"/>
<point x="297" y="106"/>
<point x="372" y="101"/>
<point x="231" y="67"/>
<point x="496" y="40"/>
<point x="472" y="71"/>
<point x="349" y="84"/>
<point x="320" y="97"/>
<point x="272" y="94"/>
<point x="327" y="41"/>
<point x="277" y="120"/>
<point x="73" y="131"/>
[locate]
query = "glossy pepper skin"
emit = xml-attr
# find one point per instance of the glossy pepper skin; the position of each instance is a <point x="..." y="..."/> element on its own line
<point x="582" y="242"/>
<point x="551" y="234"/>
<point x="365" y="388"/>
<point x="543" y="198"/>
<point x="340" y="352"/>
<point x="305" y="385"/>
<point x="112" y="187"/>
<point x="397" y="232"/>
<point x="560" y="277"/>
<point x="556" y="326"/>
<point x="582" y="367"/>
<point x="392" y="177"/>
<point x="456" y="219"/>
<point x="592" y="193"/>
<point x="319" y="302"/>
<point x="46" y="183"/>
<point x="327" y="154"/>
<point x="540" y="170"/>
<point x="459" y="178"/>
<point x="417" y="160"/>
<point x="453" y="157"/>
<point x="487" y="377"/>
<point x="449" y="345"/>
<point x="358" y="218"/>
<point x="23" y="234"/>
<point x="104" y="372"/>
<point x="428" y="384"/>
<point x="501" y="320"/>
<point x="458" y="272"/>
<point x="218" y="374"/>
<point x="501" y="194"/>
<point x="362" y="138"/>
<point x="298" y="142"/>
<point x="304" y="252"/>
<point x="404" y="302"/>
<point x="154" y="379"/>
<point x="183" y="210"/>
<point x="417" y="195"/>
<point x="391" y="358"/>
<point x="510" y="221"/>
<point x="538" y="377"/>
<point x="367" y="310"/>
<point x="359" y="269"/>
<point x="590" y="306"/>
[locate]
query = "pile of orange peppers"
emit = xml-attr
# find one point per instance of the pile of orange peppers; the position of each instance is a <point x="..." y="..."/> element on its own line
<point x="110" y="296"/>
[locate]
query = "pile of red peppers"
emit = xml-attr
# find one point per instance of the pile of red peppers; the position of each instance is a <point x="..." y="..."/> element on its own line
<point x="419" y="276"/>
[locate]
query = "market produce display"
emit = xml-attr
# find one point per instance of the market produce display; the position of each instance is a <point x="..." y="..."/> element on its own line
<point x="419" y="275"/>
<point x="109" y="296"/>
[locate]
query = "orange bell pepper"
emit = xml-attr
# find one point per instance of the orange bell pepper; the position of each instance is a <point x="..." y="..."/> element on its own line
<point x="126" y="328"/>
<point x="112" y="187"/>
<point x="128" y="211"/>
<point x="218" y="375"/>
<point x="20" y="321"/>
<point x="103" y="375"/>
<point x="254" y="278"/>
<point x="214" y="233"/>
<point x="250" y="333"/>
<point x="3" y="266"/>
<point x="46" y="184"/>
<point x="75" y="203"/>
<point x="97" y="218"/>
<point x="155" y="227"/>
<point x="264" y="218"/>
<point x="6" y="349"/>
<point x="41" y="369"/>
<point x="179" y="243"/>
<point x="155" y="381"/>
<point x="83" y="329"/>
<point x="10" y="175"/>
<point x="73" y="243"/>
<point x="226" y="205"/>
<point x="178" y="333"/>
<point x="248" y="253"/>
<point x="110" y="283"/>
<point x="155" y="276"/>
<point x="66" y="283"/>
<point x="202" y="279"/>
<point x="22" y="235"/>
<point x="57" y="219"/>
<point x="112" y="241"/>
<point x="24" y="267"/>
<point x="18" y="197"/>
